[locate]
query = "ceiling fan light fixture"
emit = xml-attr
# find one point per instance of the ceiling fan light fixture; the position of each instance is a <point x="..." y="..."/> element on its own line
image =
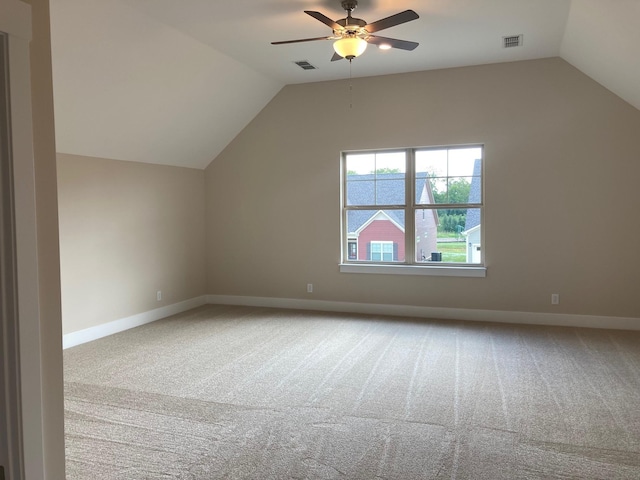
<point x="384" y="46"/>
<point x="350" y="47"/>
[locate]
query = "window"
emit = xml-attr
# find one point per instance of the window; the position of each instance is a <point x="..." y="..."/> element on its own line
<point x="382" y="251"/>
<point x="434" y="193"/>
<point x="353" y="249"/>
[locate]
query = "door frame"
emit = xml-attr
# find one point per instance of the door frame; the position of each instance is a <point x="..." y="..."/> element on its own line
<point x="10" y="445"/>
<point x="15" y="21"/>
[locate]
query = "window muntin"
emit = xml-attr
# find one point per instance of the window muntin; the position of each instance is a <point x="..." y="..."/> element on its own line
<point x="434" y="192"/>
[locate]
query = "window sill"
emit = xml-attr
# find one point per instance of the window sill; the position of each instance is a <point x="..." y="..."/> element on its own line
<point x="431" y="270"/>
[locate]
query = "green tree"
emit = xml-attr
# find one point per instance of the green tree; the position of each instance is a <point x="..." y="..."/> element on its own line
<point x="452" y="219"/>
<point x="458" y="191"/>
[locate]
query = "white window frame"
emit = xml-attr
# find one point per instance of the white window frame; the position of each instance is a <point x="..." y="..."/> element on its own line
<point x="409" y="266"/>
<point x="382" y="244"/>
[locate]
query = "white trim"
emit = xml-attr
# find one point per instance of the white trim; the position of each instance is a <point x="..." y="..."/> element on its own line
<point x="99" y="331"/>
<point x="472" y="229"/>
<point x="428" y="270"/>
<point x="443" y="313"/>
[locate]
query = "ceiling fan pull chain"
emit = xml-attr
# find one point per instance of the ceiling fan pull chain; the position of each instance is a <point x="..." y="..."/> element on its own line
<point x="350" y="86"/>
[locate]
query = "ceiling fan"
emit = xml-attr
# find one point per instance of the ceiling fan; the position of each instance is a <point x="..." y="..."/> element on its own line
<point x="352" y="35"/>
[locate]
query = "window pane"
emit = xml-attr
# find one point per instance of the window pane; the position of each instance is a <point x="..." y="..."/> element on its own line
<point x="390" y="188"/>
<point x="376" y="179"/>
<point x="370" y="163"/>
<point x="360" y="163"/>
<point x="431" y="162"/>
<point x="451" y="173"/>
<point x="391" y="162"/>
<point x="379" y="235"/>
<point x="462" y="161"/>
<point x="458" y="189"/>
<point x="376" y="254"/>
<point x="448" y="235"/>
<point x="475" y="191"/>
<point x="387" y="251"/>
<point x="361" y="190"/>
<point x="431" y="190"/>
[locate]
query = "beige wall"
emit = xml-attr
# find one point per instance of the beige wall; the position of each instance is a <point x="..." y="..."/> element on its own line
<point x="127" y="230"/>
<point x="562" y="166"/>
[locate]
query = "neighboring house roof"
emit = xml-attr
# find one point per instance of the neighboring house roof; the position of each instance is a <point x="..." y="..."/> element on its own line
<point x="475" y="196"/>
<point x="380" y="215"/>
<point x="389" y="190"/>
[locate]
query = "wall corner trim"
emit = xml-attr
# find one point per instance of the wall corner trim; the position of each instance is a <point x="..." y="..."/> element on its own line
<point x="93" y="333"/>
<point x="441" y="313"/>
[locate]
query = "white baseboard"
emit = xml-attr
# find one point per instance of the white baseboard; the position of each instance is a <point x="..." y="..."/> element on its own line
<point x="99" y="331"/>
<point x="499" y="316"/>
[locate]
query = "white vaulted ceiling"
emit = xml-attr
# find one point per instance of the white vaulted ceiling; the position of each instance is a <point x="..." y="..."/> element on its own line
<point x="172" y="82"/>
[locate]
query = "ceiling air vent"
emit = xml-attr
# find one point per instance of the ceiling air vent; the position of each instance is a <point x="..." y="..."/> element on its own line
<point x="303" y="64"/>
<point x="512" y="41"/>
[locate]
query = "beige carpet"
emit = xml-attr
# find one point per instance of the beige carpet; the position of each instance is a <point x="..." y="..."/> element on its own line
<point x="231" y="392"/>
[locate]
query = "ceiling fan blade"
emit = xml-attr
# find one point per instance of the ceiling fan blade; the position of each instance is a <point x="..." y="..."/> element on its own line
<point x="301" y="40"/>
<point x="393" y="42"/>
<point x="336" y="57"/>
<point x="392" y="21"/>
<point x="324" y="19"/>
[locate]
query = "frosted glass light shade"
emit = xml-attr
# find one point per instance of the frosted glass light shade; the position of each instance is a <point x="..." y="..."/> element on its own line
<point x="350" y="47"/>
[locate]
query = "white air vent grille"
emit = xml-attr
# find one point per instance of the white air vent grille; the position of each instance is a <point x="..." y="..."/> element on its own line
<point x="512" y="41"/>
<point x="303" y="64"/>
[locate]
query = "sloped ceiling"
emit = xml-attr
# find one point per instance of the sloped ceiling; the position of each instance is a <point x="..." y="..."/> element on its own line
<point x="167" y="82"/>
<point x="602" y="39"/>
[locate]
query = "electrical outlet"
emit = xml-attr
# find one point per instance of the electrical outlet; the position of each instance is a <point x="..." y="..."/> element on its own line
<point x="555" y="299"/>
<point x="159" y="295"/>
<point x="309" y="287"/>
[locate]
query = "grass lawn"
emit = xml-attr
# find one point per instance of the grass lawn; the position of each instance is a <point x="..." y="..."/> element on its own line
<point x="453" y="251"/>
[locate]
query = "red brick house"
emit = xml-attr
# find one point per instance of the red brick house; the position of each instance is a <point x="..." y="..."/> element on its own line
<point x="379" y="235"/>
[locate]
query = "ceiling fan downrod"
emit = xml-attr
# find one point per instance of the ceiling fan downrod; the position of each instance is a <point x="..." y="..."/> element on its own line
<point x="349" y="6"/>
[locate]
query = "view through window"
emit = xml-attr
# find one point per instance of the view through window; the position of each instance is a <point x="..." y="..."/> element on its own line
<point x="436" y="193"/>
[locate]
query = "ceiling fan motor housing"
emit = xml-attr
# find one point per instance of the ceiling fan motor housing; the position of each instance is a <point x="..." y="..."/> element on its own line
<point x="349" y="5"/>
<point x="351" y="22"/>
<point x="353" y="27"/>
